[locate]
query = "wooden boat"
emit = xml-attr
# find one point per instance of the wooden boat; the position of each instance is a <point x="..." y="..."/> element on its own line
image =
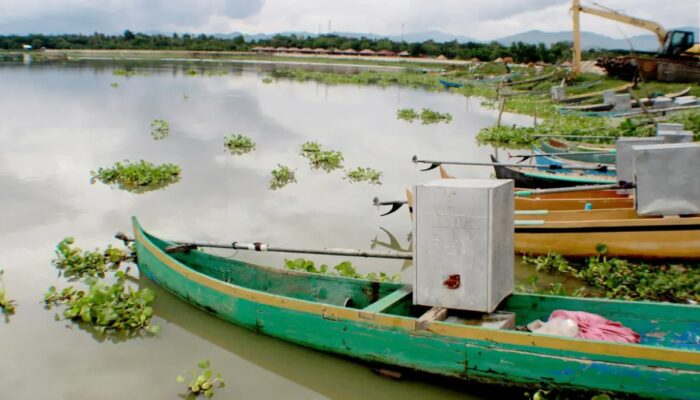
<point x="552" y="145"/>
<point x="608" y="107"/>
<point x="377" y="322"/>
<point x="449" y="84"/>
<point x="587" y="96"/>
<point x="534" y="179"/>
<point x="592" y="199"/>
<point x="622" y="231"/>
<point x="546" y="161"/>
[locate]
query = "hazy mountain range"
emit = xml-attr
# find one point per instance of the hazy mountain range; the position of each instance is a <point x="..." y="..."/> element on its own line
<point x="589" y="39"/>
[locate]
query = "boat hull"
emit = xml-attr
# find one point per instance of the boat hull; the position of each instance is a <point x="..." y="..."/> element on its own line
<point x="511" y="357"/>
<point x="642" y="243"/>
<point x="546" y="180"/>
<point x="553" y="146"/>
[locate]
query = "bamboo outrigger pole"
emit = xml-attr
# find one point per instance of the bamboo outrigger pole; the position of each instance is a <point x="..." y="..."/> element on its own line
<point x="185" y="246"/>
<point x="434" y="164"/>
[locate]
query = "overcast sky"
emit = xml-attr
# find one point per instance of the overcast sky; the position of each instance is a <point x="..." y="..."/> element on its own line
<point x="479" y="19"/>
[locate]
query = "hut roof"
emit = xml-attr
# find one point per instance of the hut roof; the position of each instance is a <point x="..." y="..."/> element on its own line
<point x="320" y="50"/>
<point x="386" y="53"/>
<point x="306" y="50"/>
<point x="280" y="49"/>
<point x="349" y="51"/>
<point x="404" y="54"/>
<point x="441" y="57"/>
<point x="368" y="52"/>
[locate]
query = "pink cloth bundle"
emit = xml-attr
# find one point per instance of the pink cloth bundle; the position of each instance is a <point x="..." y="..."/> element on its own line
<point x="593" y="326"/>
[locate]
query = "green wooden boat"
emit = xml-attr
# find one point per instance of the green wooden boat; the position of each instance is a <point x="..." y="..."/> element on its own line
<point x="377" y="322"/>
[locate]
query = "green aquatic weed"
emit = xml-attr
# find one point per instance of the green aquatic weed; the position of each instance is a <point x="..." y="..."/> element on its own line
<point x="361" y="174"/>
<point x="109" y="308"/>
<point x="239" y="144"/>
<point x="137" y="177"/>
<point x="202" y="383"/>
<point x="281" y="177"/>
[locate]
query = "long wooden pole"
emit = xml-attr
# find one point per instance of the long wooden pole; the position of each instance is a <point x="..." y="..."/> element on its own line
<point x="576" y="10"/>
<point x="279" y="249"/>
<point x="526" y="193"/>
<point x="436" y="163"/>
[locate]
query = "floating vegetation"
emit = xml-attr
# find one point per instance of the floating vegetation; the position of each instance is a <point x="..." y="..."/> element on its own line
<point x="565" y="126"/>
<point x="281" y="177"/>
<point x="506" y="135"/>
<point x="556" y="288"/>
<point x="217" y="73"/>
<point x="202" y="383"/>
<point x="624" y="279"/>
<point x="429" y="116"/>
<point x="160" y="129"/>
<point x="7" y="305"/>
<point x="185" y="96"/>
<point x="690" y="121"/>
<point x="407" y="114"/>
<point x="75" y="263"/>
<point x="111" y="309"/>
<point x="267" y="80"/>
<point x="361" y="174"/>
<point x="327" y="160"/>
<point x="129" y="72"/>
<point x="138" y="177"/>
<point x="191" y="72"/>
<point x="239" y="144"/>
<point x="344" y="269"/>
<point x="115" y="85"/>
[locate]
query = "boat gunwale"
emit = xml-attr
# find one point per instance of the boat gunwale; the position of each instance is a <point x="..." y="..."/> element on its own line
<point x="445" y="330"/>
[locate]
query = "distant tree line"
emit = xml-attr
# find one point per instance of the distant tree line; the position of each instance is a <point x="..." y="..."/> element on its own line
<point x="519" y="51"/>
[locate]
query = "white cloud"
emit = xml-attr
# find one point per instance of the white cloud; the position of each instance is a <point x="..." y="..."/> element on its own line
<point x="468" y="18"/>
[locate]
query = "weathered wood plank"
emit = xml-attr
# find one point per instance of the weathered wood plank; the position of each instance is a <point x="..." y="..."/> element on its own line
<point x="390" y="300"/>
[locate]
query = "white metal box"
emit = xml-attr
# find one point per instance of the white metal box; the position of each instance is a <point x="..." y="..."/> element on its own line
<point x="463" y="243"/>
<point x="667" y="179"/>
<point x="624" y="155"/>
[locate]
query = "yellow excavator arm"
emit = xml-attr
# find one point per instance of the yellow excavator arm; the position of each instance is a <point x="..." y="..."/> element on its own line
<point x="626" y="19"/>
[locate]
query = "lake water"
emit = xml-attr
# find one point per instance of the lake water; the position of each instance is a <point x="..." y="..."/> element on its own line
<point x="60" y="121"/>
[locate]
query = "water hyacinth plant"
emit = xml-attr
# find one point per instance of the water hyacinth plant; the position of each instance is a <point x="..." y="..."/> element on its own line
<point x="239" y="144"/>
<point x="428" y="116"/>
<point x="360" y="174"/>
<point x="202" y="384"/>
<point x="344" y="269"/>
<point x="137" y="177"/>
<point x="74" y="263"/>
<point x="327" y="160"/>
<point x="7" y="305"/>
<point x="407" y="114"/>
<point x="267" y="80"/>
<point x="281" y="177"/>
<point x="111" y="309"/>
<point x="160" y="129"/>
<point x="629" y="280"/>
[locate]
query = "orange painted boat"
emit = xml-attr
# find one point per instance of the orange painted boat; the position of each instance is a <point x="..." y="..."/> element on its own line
<point x="621" y="232"/>
<point x="594" y="199"/>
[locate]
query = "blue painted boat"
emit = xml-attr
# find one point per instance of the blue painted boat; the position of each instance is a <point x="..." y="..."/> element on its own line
<point x="448" y="84"/>
<point x="554" y="160"/>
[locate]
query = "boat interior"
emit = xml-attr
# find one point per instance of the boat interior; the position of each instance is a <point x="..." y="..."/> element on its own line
<point x="673" y="326"/>
<point x="611" y="214"/>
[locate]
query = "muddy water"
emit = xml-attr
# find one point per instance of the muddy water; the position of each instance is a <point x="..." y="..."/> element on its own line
<point x="60" y="121"/>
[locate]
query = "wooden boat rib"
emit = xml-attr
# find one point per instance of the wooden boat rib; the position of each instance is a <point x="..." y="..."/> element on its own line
<point x="534" y="179"/>
<point x="377" y="322"/>
<point x="622" y="231"/>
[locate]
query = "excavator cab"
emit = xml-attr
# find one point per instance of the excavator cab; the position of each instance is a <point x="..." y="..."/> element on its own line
<point x="677" y="43"/>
